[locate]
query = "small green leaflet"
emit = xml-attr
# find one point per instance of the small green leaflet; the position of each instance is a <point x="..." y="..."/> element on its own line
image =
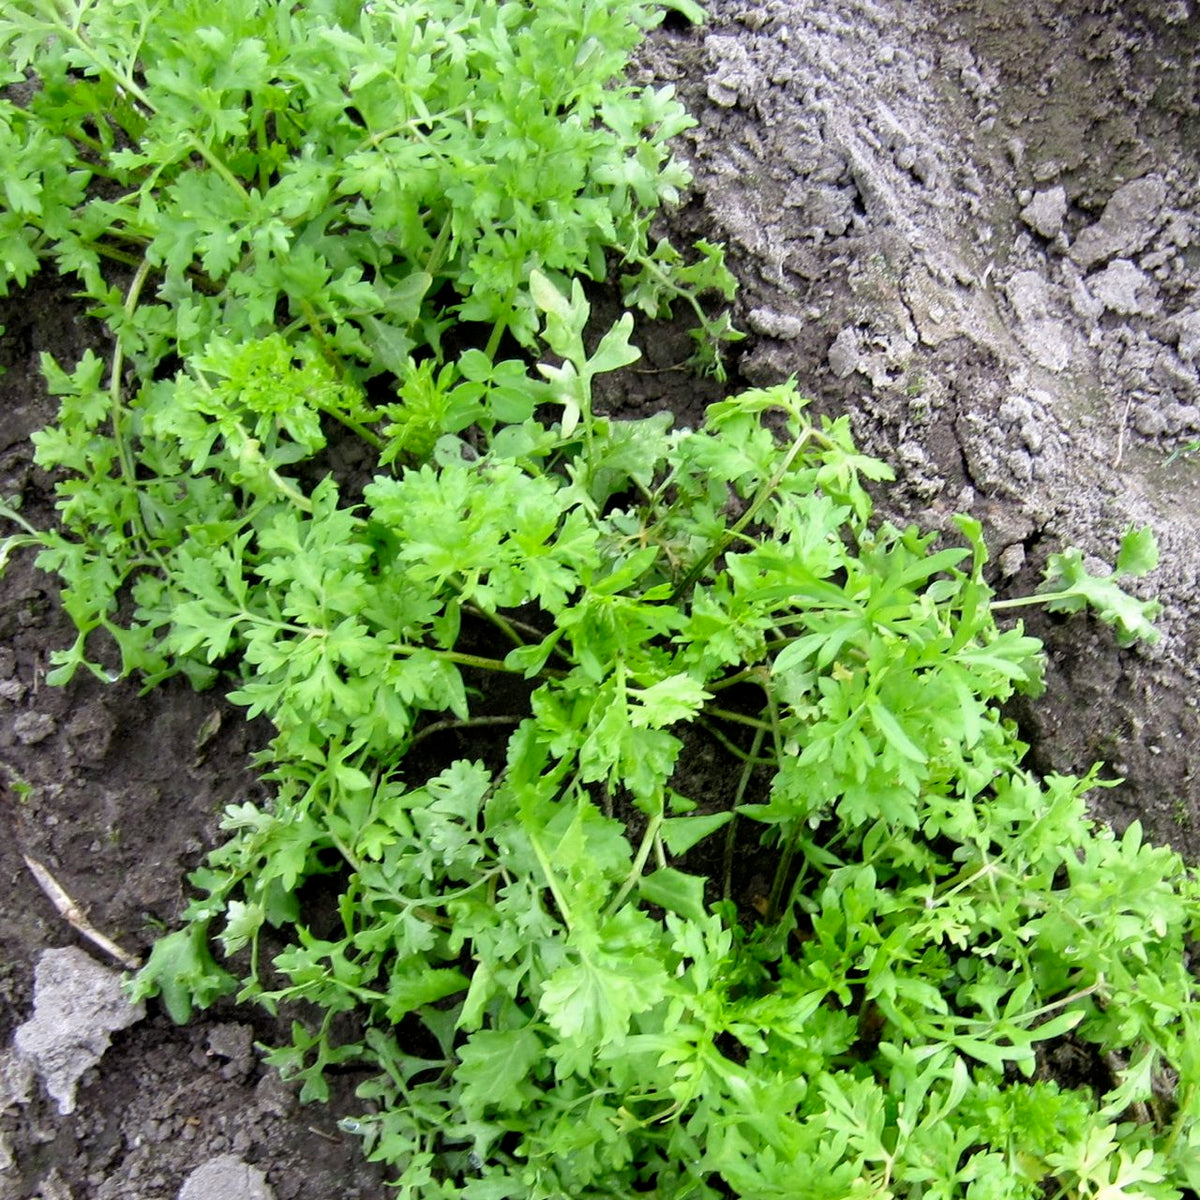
<point x="181" y="970"/>
<point x="1139" y="552"/>
<point x="1070" y="587"/>
<point x="494" y="1066"/>
<point x="682" y="833"/>
<point x="675" y="891"/>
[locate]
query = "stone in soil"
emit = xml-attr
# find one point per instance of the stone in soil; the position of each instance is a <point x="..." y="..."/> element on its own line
<point x="77" y="1006"/>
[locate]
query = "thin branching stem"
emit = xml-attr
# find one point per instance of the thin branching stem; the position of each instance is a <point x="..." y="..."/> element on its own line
<point x="739" y="797"/>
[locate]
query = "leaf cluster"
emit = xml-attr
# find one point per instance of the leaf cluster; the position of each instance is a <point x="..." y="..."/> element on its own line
<point x="550" y="955"/>
<point x="557" y="1000"/>
<point x="367" y="175"/>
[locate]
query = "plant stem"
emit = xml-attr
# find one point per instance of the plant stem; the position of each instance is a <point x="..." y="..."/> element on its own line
<point x="369" y="436"/>
<point x="499" y="328"/>
<point x="123" y="78"/>
<point x="493" y="618"/>
<point x="453" y="656"/>
<point x="726" y="715"/>
<point x="639" y="864"/>
<point x="763" y="495"/>
<point x="552" y="880"/>
<point x="220" y="168"/>
<point x="738" y="797"/>
<point x="463" y="660"/>
<point x="469" y="723"/>
<point x="1025" y="601"/>
<point x="735" y="750"/>
<point x="1181" y="1114"/>
<point x="782" y="871"/>
<point x="117" y="407"/>
<point x="11" y="514"/>
<point x="757" y="673"/>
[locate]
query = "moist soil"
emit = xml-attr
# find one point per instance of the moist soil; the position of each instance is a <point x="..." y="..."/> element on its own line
<point x="972" y="225"/>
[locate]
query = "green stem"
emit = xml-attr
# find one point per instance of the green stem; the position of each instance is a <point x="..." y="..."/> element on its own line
<point x="460" y="659"/>
<point x="260" y="138"/>
<point x="639" y="864"/>
<point x="121" y="256"/>
<point x="493" y="618"/>
<point x="989" y="867"/>
<point x="124" y="79"/>
<point x="757" y="674"/>
<point x="117" y="406"/>
<point x="776" y="733"/>
<point x="552" y="881"/>
<point x="1024" y="601"/>
<point x="468" y="660"/>
<point x="668" y="284"/>
<point x="297" y="497"/>
<point x="219" y="167"/>
<point x="96" y="147"/>
<point x="498" y="330"/>
<point x="313" y="320"/>
<point x="950" y="1020"/>
<point x="782" y="871"/>
<point x="785" y="863"/>
<point x="1181" y="1116"/>
<point x="11" y="514"/>
<point x="452" y="656"/>
<point x="369" y="436"/>
<point x="511" y="625"/>
<point x="740" y="719"/>
<point x="660" y="852"/>
<point x="738" y="797"/>
<point x="469" y="723"/>
<point x="763" y="495"/>
<point x="736" y="750"/>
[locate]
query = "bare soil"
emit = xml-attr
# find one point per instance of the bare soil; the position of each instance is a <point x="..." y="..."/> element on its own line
<point x="974" y="225"/>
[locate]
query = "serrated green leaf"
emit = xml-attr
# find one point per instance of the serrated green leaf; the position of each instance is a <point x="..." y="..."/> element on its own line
<point x="675" y="891"/>
<point x="415" y="985"/>
<point x="1070" y="587"/>
<point x="182" y="971"/>
<point x="680" y="834"/>
<point x="677" y="698"/>
<point x="494" y="1068"/>
<point x="1139" y="552"/>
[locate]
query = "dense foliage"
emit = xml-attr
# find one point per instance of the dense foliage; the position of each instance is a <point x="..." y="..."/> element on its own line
<point x="550" y="953"/>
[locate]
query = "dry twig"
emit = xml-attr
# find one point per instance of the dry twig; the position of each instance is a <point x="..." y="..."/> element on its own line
<point x="73" y="914"/>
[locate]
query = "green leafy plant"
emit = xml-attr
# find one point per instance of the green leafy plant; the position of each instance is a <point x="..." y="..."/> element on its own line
<point x="833" y="964"/>
<point x="1185" y="450"/>
<point x="364" y="176"/>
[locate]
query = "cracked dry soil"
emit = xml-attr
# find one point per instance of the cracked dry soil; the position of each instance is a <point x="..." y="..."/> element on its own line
<point x="972" y="224"/>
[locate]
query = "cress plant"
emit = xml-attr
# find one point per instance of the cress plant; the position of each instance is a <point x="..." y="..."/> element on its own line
<point x="554" y="965"/>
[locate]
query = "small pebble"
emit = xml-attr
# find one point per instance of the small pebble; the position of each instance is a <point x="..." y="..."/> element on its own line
<point x="33" y="727"/>
<point x="1012" y="559"/>
<point x="226" y="1177"/>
